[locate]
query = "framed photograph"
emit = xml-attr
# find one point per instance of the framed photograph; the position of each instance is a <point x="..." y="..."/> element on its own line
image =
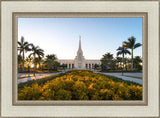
<point x="80" y="59"/>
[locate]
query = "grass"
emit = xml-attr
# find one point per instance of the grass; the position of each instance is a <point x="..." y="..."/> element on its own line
<point x="120" y="71"/>
<point x="133" y="76"/>
<point x="116" y="79"/>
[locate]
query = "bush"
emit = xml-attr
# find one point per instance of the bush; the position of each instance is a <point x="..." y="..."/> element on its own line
<point x="80" y="85"/>
<point x="39" y="81"/>
<point x="80" y="91"/>
<point x="63" y="95"/>
<point x="30" y="93"/>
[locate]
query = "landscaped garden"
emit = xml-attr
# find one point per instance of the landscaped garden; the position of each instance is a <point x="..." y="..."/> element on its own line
<point x="79" y="85"/>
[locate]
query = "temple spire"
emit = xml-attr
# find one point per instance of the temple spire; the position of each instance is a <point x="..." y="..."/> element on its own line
<point x="79" y="41"/>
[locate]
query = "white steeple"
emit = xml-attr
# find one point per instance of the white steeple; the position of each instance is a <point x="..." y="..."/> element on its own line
<point x="79" y="52"/>
<point x="79" y="42"/>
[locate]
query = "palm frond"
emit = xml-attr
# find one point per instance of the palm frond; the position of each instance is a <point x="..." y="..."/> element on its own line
<point x="22" y="39"/>
<point x="127" y="52"/>
<point x="19" y="43"/>
<point x="25" y="43"/>
<point x="30" y="55"/>
<point x="119" y="53"/>
<point x="131" y="42"/>
<point x="137" y="45"/>
<point x="120" y="48"/>
<point x="126" y="44"/>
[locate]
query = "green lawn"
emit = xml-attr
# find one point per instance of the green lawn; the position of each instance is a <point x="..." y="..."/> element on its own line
<point x="133" y="76"/>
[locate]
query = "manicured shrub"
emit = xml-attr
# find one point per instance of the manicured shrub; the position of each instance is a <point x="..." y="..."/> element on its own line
<point x="63" y="95"/>
<point x="48" y="94"/>
<point x="39" y="81"/>
<point x="80" y="85"/>
<point x="80" y="91"/>
<point x="30" y="93"/>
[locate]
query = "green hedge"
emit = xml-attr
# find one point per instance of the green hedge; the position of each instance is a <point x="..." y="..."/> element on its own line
<point x="39" y="81"/>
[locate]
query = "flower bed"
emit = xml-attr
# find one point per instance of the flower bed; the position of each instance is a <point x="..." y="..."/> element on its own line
<point x="82" y="85"/>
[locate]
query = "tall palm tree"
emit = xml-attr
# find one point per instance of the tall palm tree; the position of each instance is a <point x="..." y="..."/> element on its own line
<point x="36" y="52"/>
<point x="122" y="51"/>
<point x="23" y="47"/>
<point x="132" y="45"/>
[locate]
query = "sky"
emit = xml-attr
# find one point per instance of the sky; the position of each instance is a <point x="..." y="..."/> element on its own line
<point x="99" y="36"/>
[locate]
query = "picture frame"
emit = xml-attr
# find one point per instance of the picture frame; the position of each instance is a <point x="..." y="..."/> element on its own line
<point x="148" y="10"/>
<point x="74" y="102"/>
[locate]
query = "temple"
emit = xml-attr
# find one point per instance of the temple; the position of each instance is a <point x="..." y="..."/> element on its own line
<point x="79" y="62"/>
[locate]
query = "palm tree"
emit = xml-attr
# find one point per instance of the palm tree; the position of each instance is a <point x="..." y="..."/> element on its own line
<point x="23" y="47"/>
<point x="106" y="61"/>
<point x="132" y="45"/>
<point x="28" y="61"/>
<point x="20" y="61"/>
<point x="47" y="62"/>
<point x="36" y="52"/>
<point x="40" y="63"/>
<point x="119" y="60"/>
<point x="56" y="64"/>
<point x="122" y="51"/>
<point x="36" y="61"/>
<point x="64" y="66"/>
<point x="50" y="60"/>
<point x="136" y="62"/>
<point x="126" y="63"/>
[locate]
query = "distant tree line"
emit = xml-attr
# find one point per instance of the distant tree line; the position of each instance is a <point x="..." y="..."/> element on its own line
<point x="37" y="61"/>
<point x="35" y="58"/>
<point x="108" y="62"/>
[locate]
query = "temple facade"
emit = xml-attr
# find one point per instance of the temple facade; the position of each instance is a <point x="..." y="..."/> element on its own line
<point x="79" y="62"/>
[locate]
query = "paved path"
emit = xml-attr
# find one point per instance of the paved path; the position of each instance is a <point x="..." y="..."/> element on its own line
<point x="130" y="74"/>
<point x="43" y="75"/>
<point x="119" y="75"/>
<point x="31" y="74"/>
<point x="32" y="77"/>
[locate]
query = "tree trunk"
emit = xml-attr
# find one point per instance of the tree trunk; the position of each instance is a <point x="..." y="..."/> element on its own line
<point x="126" y="66"/>
<point x="132" y="60"/>
<point x="28" y="68"/>
<point x="23" y="62"/>
<point x="34" y="67"/>
<point x="42" y="67"/>
<point x="39" y="66"/>
<point x="123" y="64"/>
<point x="48" y="68"/>
<point x="19" y="68"/>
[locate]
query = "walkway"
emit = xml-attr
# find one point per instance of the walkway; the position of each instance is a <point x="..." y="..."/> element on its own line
<point x="119" y="75"/>
<point x="30" y="76"/>
<point x="43" y="75"/>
